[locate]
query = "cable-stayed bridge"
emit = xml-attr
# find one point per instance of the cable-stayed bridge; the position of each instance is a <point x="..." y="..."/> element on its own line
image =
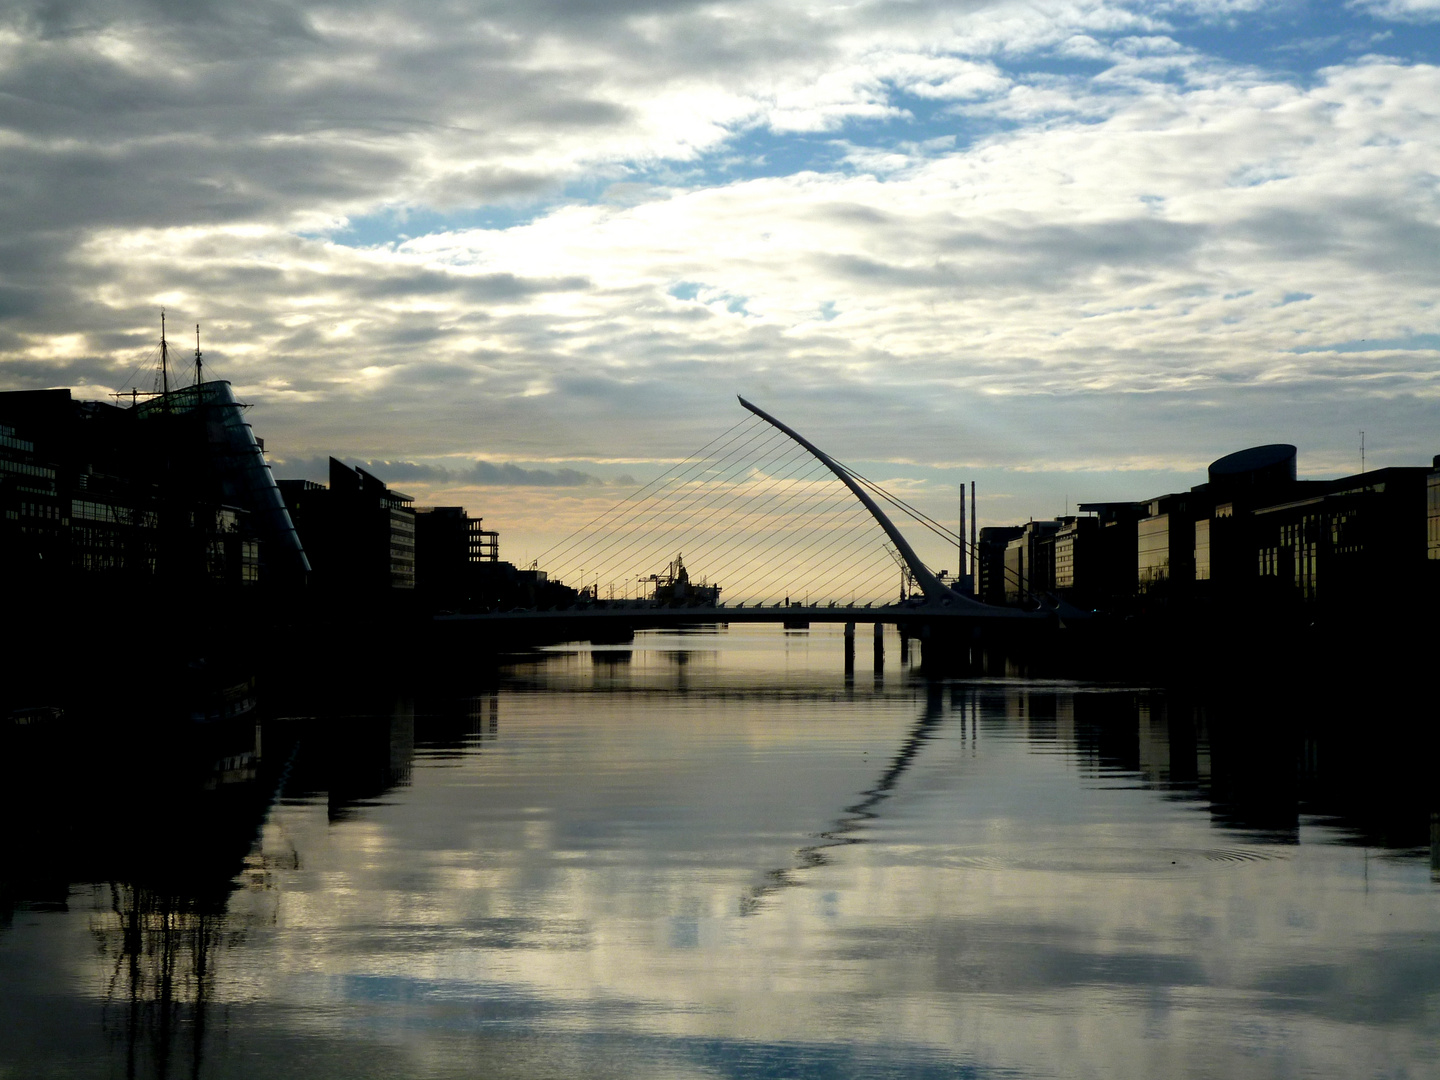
<point x="759" y="525"/>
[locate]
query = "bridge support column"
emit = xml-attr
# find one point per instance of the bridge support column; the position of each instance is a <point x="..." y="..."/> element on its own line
<point x="879" y="648"/>
<point x="849" y="650"/>
<point x="620" y="634"/>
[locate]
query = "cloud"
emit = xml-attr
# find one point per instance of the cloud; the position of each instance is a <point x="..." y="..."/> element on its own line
<point x="1409" y="11"/>
<point x="474" y="474"/>
<point x="477" y="240"/>
<point x="490" y="473"/>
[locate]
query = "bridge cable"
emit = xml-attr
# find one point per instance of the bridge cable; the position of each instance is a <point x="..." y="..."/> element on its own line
<point x="760" y="515"/>
<point x="832" y="506"/>
<point x="640" y="490"/>
<point x="671" y="517"/>
<point x="767" y="518"/>
<point x="839" y="522"/>
<point x="740" y="474"/>
<point x="562" y="549"/>
<point x="837" y="504"/>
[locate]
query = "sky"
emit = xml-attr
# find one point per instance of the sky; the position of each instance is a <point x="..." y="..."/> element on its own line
<point x="523" y="257"/>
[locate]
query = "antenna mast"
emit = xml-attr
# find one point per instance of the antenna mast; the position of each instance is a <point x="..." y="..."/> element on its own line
<point x="198" y="363"/>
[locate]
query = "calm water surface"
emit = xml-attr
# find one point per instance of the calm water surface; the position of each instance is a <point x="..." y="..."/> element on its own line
<point x="712" y="855"/>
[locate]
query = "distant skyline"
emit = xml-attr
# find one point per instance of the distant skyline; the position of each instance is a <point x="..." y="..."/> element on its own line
<point x="517" y="256"/>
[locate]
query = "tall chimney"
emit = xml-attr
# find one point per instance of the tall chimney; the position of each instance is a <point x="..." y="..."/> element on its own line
<point x="974" y="527"/>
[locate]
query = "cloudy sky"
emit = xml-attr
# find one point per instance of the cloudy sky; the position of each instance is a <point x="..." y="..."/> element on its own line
<point x="519" y="254"/>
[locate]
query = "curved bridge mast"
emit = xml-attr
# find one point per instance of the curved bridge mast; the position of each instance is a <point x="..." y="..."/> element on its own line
<point x="934" y="589"/>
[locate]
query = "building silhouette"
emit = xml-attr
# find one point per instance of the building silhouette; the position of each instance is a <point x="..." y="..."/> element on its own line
<point x="1253" y="533"/>
<point x="173" y="491"/>
<point x="1030" y="561"/>
<point x="990" y="557"/>
<point x="456" y="555"/>
<point x="359" y="534"/>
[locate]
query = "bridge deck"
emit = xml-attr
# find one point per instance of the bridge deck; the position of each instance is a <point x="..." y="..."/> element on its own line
<point x="643" y="614"/>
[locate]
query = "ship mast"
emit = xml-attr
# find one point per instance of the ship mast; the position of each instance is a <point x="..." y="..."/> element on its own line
<point x="164" y="392"/>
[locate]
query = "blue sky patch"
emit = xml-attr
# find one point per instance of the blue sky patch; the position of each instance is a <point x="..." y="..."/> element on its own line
<point x="1299" y="39"/>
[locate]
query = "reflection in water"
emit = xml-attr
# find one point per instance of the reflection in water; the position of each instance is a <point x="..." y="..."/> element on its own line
<point x="611" y="656"/>
<point x="139" y="838"/>
<point x="846" y="828"/>
<point x="979" y="878"/>
<point x="364" y="756"/>
<point x="163" y="949"/>
<point x="450" y="728"/>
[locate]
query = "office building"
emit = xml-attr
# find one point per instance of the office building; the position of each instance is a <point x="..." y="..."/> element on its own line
<point x="173" y="491"/>
<point x="990" y="558"/>
<point x="452" y="552"/>
<point x="359" y="534"/>
<point x="1030" y="561"/>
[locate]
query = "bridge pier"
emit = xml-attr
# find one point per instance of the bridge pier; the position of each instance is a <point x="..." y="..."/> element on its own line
<point x="850" y="650"/>
<point x="618" y="634"/>
<point x="879" y="649"/>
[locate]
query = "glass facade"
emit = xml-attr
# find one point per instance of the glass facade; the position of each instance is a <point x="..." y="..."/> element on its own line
<point x="244" y="475"/>
<point x="1030" y="561"/>
<point x="113" y="539"/>
<point x="129" y="496"/>
<point x="1360" y="543"/>
<point x="1077" y="558"/>
<point x="1202" y="550"/>
<point x="402" y="547"/>
<point x="1153" y="550"/>
<point x="1292" y="555"/>
<point x="1015" y="570"/>
<point x="1165" y="545"/>
<point x="1065" y="559"/>
<point x="32" y="519"/>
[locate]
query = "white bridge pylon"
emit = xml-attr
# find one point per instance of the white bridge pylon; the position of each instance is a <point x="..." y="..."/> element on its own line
<point x="765" y="516"/>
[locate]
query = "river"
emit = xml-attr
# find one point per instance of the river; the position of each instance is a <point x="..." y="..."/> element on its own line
<point x="722" y="855"/>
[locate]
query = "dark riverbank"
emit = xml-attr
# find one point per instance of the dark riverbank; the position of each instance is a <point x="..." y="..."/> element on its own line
<point x="91" y="648"/>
